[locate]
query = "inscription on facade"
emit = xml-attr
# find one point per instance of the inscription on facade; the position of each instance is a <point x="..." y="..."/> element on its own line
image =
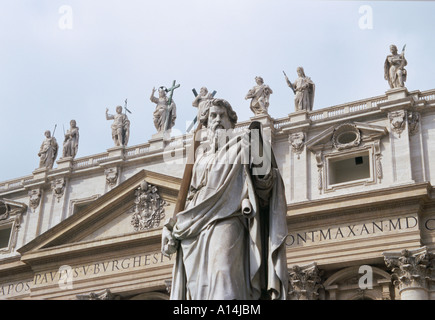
<point x="352" y="231"/>
<point x="69" y="275"/>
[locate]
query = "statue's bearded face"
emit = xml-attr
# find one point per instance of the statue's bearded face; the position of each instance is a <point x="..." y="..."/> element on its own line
<point x="218" y="119"/>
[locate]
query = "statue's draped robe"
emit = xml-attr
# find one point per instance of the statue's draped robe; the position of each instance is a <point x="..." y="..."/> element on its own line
<point x="71" y="143"/>
<point x="48" y="151"/>
<point x="394" y="72"/>
<point x="305" y="90"/>
<point x="159" y="115"/>
<point x="221" y="251"/>
<point x="120" y="128"/>
<point x="260" y="99"/>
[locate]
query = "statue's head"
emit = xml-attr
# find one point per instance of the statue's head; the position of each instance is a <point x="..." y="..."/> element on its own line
<point x="47" y="133"/>
<point x="259" y="80"/>
<point x="218" y="114"/>
<point x="203" y="91"/>
<point x="119" y="109"/>
<point x="73" y="123"/>
<point x="300" y="71"/>
<point x="162" y="92"/>
<point x="393" y="49"/>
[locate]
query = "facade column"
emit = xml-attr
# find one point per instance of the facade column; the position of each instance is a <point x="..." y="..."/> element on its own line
<point x="304" y="282"/>
<point x="411" y="272"/>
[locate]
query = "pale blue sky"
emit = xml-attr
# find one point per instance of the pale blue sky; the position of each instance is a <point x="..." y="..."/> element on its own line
<point x="121" y="49"/>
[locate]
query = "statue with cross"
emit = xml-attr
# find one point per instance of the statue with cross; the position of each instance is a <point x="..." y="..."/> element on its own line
<point x="165" y="112"/>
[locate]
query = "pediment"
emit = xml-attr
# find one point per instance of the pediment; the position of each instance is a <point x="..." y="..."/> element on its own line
<point x="107" y="220"/>
<point x="10" y="208"/>
<point x="364" y="131"/>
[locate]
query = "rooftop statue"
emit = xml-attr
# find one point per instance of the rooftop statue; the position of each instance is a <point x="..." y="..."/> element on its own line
<point x="229" y="236"/>
<point x="259" y="96"/>
<point x="120" y="127"/>
<point x="166" y="110"/>
<point x="394" y="68"/>
<point x="48" y="152"/>
<point x="71" y="142"/>
<point x="304" y="90"/>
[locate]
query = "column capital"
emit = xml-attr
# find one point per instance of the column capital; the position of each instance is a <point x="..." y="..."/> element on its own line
<point x="411" y="268"/>
<point x="304" y="282"/>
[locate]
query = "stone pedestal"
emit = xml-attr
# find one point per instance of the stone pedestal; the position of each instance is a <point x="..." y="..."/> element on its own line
<point x="298" y="116"/>
<point x="40" y="174"/>
<point x="159" y="140"/>
<point x="116" y="153"/>
<point x="397" y="93"/>
<point x="65" y="163"/>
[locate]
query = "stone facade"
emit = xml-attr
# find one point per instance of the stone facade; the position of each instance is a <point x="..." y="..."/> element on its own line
<point x="361" y="209"/>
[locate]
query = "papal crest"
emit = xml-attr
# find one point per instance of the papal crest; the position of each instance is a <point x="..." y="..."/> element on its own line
<point x="149" y="208"/>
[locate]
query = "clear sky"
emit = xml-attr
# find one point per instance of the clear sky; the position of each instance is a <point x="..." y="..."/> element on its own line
<point x="72" y="59"/>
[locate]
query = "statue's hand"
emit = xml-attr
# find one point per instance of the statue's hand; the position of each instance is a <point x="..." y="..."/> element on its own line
<point x="169" y="244"/>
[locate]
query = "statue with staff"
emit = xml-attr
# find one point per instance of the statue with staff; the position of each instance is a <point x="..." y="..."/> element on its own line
<point x="166" y="110"/>
<point x="304" y="89"/>
<point x="394" y="68"/>
<point x="48" y="151"/>
<point x="229" y="225"/>
<point x="71" y="141"/>
<point x="120" y="126"/>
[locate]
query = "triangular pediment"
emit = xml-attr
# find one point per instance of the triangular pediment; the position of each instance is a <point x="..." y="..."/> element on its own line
<point x="106" y="221"/>
<point x="367" y="131"/>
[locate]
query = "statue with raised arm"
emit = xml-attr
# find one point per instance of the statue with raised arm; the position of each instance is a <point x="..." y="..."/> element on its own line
<point x="259" y="96"/>
<point x="164" y="114"/>
<point x="304" y="89"/>
<point x="48" y="152"/>
<point x="229" y="238"/>
<point x="120" y="127"/>
<point x="394" y="68"/>
<point x="71" y="142"/>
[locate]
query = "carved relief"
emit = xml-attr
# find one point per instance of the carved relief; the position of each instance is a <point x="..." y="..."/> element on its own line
<point x="378" y="164"/>
<point x="35" y="198"/>
<point x="319" y="170"/>
<point x="101" y="295"/>
<point x="149" y="208"/>
<point x="58" y="187"/>
<point x="305" y="282"/>
<point x="111" y="176"/>
<point x="397" y="121"/>
<point x="413" y="122"/>
<point x="297" y="141"/>
<point x="346" y="136"/>
<point x="4" y="211"/>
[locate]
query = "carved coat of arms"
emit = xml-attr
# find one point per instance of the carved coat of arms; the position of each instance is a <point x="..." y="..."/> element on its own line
<point x="149" y="208"/>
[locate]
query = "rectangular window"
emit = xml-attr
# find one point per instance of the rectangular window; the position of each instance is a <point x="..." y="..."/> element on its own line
<point x="349" y="168"/>
<point x="5" y="234"/>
